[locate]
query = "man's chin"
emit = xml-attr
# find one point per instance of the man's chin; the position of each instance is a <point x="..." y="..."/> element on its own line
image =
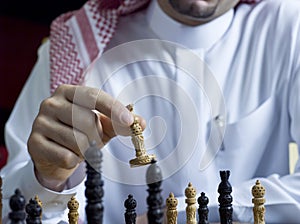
<point x="197" y="20"/>
<point x="202" y="15"/>
<point x="202" y="9"/>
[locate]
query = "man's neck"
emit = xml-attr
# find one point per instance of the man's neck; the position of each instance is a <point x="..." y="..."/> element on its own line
<point x="194" y="37"/>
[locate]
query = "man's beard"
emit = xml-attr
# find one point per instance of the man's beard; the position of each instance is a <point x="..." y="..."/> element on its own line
<point x="194" y="12"/>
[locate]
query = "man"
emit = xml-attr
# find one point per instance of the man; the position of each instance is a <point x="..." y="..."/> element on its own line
<point x="251" y="55"/>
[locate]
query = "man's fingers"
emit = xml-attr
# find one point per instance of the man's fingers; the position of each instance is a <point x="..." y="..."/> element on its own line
<point x="64" y="135"/>
<point x="67" y="122"/>
<point x="78" y="107"/>
<point x="95" y="99"/>
<point x="52" y="153"/>
<point x="75" y="116"/>
<point x="112" y="128"/>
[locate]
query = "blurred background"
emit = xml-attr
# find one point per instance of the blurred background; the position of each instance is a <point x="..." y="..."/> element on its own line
<point x="23" y="26"/>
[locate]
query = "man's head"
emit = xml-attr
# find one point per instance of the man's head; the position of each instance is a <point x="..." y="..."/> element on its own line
<point x="196" y="12"/>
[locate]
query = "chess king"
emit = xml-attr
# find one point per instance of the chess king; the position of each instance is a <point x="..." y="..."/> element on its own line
<point x="137" y="138"/>
<point x="193" y="69"/>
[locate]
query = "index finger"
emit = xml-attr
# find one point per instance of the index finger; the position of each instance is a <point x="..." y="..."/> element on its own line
<point x="96" y="99"/>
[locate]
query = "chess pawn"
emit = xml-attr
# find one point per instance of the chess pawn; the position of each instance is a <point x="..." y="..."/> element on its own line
<point x="203" y="209"/>
<point x="73" y="214"/>
<point x="258" y="192"/>
<point x="171" y="203"/>
<point x="130" y="214"/>
<point x="17" y="204"/>
<point x="190" y="193"/>
<point x="34" y="211"/>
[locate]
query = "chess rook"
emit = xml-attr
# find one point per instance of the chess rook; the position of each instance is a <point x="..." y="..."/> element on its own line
<point x="203" y="209"/>
<point x="258" y="192"/>
<point x="154" y="200"/>
<point x="94" y="185"/>
<point x="130" y="213"/>
<point x="225" y="198"/>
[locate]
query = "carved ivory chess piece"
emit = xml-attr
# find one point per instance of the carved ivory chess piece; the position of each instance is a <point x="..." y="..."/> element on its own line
<point x="258" y="192"/>
<point x="137" y="138"/>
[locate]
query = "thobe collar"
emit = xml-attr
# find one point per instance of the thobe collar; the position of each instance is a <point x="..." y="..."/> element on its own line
<point x="195" y="37"/>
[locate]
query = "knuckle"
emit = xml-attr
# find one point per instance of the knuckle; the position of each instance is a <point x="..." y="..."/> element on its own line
<point x="92" y="96"/>
<point x="61" y="89"/>
<point x="92" y="93"/>
<point x="48" y="104"/>
<point x="39" y="123"/>
<point x="33" y="141"/>
<point x="33" y="138"/>
<point x="69" y="160"/>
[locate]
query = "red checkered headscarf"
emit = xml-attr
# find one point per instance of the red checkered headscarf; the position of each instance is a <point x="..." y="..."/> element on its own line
<point x="77" y="38"/>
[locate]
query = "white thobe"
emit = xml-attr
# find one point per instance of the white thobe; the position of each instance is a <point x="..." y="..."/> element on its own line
<point x="251" y="55"/>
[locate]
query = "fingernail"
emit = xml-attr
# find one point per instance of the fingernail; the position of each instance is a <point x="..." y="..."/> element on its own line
<point x="126" y="117"/>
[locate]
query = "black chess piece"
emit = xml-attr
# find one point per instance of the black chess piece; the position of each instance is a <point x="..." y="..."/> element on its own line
<point x="34" y="211"/>
<point x="154" y="200"/>
<point x="94" y="185"/>
<point x="225" y="198"/>
<point x="130" y="213"/>
<point x="17" y="204"/>
<point x="203" y="209"/>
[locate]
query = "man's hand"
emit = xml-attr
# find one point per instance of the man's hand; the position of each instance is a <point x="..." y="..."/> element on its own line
<point x="67" y="122"/>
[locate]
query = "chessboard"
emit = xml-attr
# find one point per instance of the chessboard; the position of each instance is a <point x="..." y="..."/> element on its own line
<point x="159" y="210"/>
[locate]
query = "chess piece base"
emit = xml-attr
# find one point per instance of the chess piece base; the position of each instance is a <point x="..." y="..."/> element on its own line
<point x="142" y="160"/>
